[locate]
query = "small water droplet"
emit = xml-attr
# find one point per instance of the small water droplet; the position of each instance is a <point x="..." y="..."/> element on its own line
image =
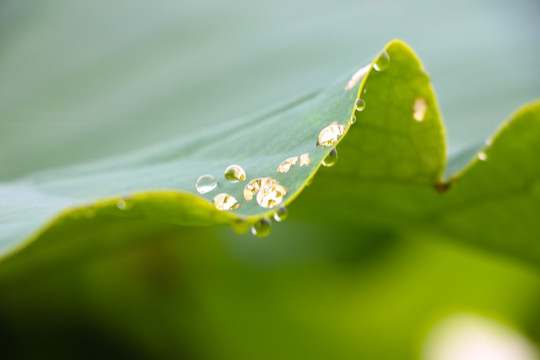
<point x="225" y="201"/>
<point x="205" y="183"/>
<point x="271" y="193"/>
<point x="482" y="156"/>
<point x="330" y="159"/>
<point x="352" y="120"/>
<point x="330" y="134"/>
<point x="360" y="105"/>
<point x="419" y="108"/>
<point x="488" y="141"/>
<point x="252" y="187"/>
<point x="240" y="226"/>
<point x="121" y="204"/>
<point x="285" y="166"/>
<point x="382" y="61"/>
<point x="305" y="160"/>
<point x="235" y="173"/>
<point x="261" y="228"/>
<point x="281" y="214"/>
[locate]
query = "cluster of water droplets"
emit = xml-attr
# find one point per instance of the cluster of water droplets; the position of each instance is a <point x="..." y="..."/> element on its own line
<point x="267" y="191"/>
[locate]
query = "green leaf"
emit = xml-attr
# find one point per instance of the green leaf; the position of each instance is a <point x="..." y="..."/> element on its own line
<point x="390" y="165"/>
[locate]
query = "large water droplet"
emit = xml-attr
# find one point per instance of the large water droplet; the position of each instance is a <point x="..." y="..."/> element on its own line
<point x="281" y="214"/>
<point x="205" y="183"/>
<point x="225" y="201"/>
<point x="305" y="160"/>
<point x="285" y="166"/>
<point x="330" y="159"/>
<point x="261" y="228"/>
<point x="330" y="134"/>
<point x="360" y="105"/>
<point x="382" y="61"/>
<point x="235" y="173"/>
<point x="419" y="108"/>
<point x="482" y="156"/>
<point x="252" y="187"/>
<point x="271" y="193"/>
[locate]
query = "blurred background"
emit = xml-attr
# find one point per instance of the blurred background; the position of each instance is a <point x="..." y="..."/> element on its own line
<point x="81" y="81"/>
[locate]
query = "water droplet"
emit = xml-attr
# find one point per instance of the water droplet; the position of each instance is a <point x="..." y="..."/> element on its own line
<point x="261" y="228"/>
<point x="281" y="214"/>
<point x="235" y="173"/>
<point x="252" y="187"/>
<point x="360" y="105"/>
<point x="205" y="183"/>
<point x="419" y="108"/>
<point x="482" y="156"/>
<point x="225" y="201"/>
<point x="285" y="166"/>
<point x="240" y="226"/>
<point x="330" y="134"/>
<point x="305" y="160"/>
<point x="382" y="61"/>
<point x="121" y="204"/>
<point x="271" y="193"/>
<point x="330" y="159"/>
<point x="488" y="141"/>
<point x="352" y="120"/>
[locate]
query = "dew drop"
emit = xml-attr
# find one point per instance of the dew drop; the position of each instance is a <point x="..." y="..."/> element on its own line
<point x="252" y="187"/>
<point x="330" y="134"/>
<point x="419" y="108"/>
<point x="488" y="141"/>
<point x="330" y="159"/>
<point x="360" y="105"/>
<point x="382" y="61"/>
<point x="285" y="166"/>
<point x="281" y="214"/>
<point x="482" y="156"/>
<point x="225" y="201"/>
<point x="121" y="204"/>
<point x="240" y="226"/>
<point x="352" y="120"/>
<point x="305" y="160"/>
<point x="235" y="173"/>
<point x="271" y="193"/>
<point x="205" y="183"/>
<point x="261" y="228"/>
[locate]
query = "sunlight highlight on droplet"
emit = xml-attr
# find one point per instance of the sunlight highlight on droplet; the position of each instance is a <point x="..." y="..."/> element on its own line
<point x="225" y="201"/>
<point x="330" y="134"/>
<point x="235" y="173"/>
